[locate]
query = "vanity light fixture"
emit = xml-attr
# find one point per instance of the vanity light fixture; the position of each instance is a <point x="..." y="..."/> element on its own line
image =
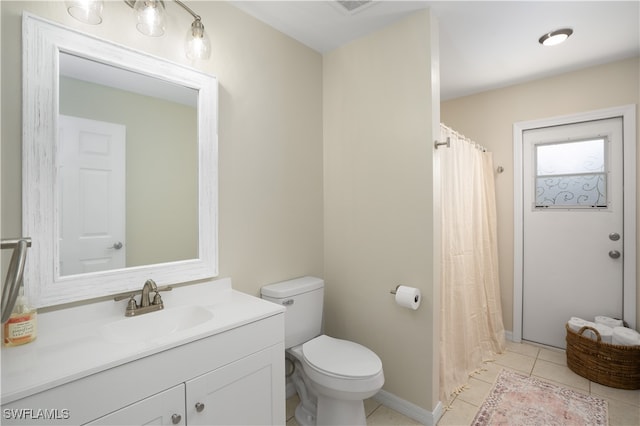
<point x="149" y="21"/>
<point x="150" y="18"/>
<point x="555" y="37"/>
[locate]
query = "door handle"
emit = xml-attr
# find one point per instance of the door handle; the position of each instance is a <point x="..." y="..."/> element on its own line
<point x="116" y="246"/>
<point x="614" y="254"/>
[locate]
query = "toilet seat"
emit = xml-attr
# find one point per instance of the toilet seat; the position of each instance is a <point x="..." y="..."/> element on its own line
<point x="341" y="358"/>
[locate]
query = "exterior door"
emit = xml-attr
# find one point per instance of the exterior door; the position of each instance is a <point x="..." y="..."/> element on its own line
<point x="91" y="168"/>
<point x="573" y="232"/>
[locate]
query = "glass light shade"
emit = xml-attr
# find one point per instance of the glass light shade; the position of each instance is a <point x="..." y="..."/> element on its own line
<point x="150" y="17"/>
<point x="555" y="37"/>
<point x="87" y="11"/>
<point x="197" y="43"/>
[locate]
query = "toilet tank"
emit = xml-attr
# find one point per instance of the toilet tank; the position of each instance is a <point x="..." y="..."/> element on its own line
<point x="303" y="297"/>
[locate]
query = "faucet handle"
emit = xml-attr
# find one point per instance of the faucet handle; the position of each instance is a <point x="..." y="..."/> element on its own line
<point x="157" y="300"/>
<point x="132" y="305"/>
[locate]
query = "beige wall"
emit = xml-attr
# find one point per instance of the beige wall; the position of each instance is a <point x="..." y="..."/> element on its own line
<point x="488" y="119"/>
<point x="270" y="132"/>
<point x="378" y="199"/>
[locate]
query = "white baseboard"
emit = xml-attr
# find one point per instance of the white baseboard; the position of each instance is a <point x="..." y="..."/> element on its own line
<point x="508" y="335"/>
<point x="413" y="411"/>
<point x="410" y="409"/>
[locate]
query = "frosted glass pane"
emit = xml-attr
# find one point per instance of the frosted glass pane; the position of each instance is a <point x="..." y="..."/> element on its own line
<point x="582" y="190"/>
<point x="570" y="157"/>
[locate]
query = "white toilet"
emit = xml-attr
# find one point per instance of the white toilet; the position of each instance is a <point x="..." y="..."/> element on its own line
<point x="332" y="376"/>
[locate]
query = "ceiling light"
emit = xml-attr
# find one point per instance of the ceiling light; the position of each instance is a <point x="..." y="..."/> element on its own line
<point x="555" y="37"/>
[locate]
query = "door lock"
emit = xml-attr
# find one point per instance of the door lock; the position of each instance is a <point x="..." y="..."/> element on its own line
<point x="614" y="236"/>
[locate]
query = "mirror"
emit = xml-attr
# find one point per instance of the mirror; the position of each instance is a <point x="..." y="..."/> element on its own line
<point x="119" y="167"/>
<point x="127" y="143"/>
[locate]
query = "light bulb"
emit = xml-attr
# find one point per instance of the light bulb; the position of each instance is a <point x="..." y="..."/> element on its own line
<point x="150" y="17"/>
<point x="197" y="43"/>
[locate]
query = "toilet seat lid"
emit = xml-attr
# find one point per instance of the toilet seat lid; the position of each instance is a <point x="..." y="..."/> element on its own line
<point x="343" y="358"/>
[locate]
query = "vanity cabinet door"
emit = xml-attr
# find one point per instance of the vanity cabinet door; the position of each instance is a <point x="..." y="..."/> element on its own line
<point x="164" y="408"/>
<point x="249" y="391"/>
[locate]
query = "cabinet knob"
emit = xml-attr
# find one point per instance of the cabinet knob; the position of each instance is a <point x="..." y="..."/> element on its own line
<point x="176" y="418"/>
<point x="199" y="406"/>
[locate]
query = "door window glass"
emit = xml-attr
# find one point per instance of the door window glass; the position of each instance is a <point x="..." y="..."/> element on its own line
<point x="571" y="174"/>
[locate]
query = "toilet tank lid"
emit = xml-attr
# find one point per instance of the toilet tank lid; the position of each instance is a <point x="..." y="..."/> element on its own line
<point x="292" y="287"/>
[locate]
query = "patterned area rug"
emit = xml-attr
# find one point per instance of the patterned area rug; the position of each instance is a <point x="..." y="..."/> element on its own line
<point x="519" y="400"/>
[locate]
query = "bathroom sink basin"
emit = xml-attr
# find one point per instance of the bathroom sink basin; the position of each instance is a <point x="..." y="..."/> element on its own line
<point x="156" y="324"/>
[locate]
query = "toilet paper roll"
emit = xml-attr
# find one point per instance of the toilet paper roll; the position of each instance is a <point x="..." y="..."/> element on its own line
<point x="408" y="297"/>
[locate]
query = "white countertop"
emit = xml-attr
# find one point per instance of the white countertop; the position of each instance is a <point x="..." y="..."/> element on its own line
<point x="70" y="344"/>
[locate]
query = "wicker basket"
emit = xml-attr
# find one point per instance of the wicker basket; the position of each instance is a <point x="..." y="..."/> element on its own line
<point x="616" y="366"/>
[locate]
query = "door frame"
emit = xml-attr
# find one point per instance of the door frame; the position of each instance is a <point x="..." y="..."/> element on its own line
<point x="628" y="114"/>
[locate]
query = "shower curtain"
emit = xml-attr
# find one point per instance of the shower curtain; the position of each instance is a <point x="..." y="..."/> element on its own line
<point x="471" y="328"/>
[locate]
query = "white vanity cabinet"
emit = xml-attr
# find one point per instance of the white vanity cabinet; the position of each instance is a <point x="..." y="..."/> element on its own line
<point x="240" y="393"/>
<point x="165" y="408"/>
<point x="233" y="377"/>
<point x="237" y="394"/>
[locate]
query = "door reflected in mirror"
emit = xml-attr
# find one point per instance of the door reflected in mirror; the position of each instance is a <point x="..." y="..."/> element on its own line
<point x="127" y="160"/>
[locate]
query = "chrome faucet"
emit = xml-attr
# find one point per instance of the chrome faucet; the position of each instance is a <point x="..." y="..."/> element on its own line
<point x="146" y="304"/>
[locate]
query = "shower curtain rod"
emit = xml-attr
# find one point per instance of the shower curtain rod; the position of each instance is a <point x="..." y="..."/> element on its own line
<point x="459" y="136"/>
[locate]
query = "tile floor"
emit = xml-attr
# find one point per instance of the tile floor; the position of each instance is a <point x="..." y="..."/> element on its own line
<point x="377" y="414"/>
<point x="544" y="363"/>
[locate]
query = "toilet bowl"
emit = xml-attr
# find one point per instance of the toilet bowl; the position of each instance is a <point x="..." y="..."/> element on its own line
<point x="332" y="376"/>
<point x="342" y="374"/>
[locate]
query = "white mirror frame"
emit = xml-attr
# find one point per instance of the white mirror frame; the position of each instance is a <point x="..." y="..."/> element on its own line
<point x="42" y="42"/>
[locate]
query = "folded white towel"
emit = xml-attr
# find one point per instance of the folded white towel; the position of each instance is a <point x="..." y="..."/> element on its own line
<point x="608" y="321"/>
<point x="625" y="336"/>
<point x="576" y="324"/>
<point x="606" y="332"/>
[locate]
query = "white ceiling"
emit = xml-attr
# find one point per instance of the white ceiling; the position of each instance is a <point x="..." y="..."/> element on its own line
<point x="484" y="45"/>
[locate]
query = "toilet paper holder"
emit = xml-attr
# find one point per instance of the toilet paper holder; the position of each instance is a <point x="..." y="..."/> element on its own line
<point x="394" y="291"/>
<point x="407" y="297"/>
